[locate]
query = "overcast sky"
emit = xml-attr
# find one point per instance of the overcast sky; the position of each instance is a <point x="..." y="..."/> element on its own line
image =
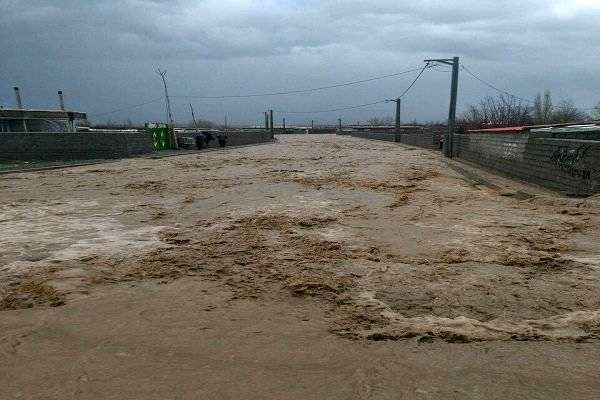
<point x="102" y="54"/>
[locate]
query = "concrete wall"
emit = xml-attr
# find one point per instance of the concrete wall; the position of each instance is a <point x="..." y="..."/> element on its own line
<point x="237" y="138"/>
<point x="387" y="136"/>
<point x="73" y="145"/>
<point x="428" y="138"/>
<point x="243" y="138"/>
<point x="571" y="166"/>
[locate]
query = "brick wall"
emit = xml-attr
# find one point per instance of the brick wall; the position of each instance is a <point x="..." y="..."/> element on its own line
<point x="571" y="166"/>
<point x="73" y="145"/>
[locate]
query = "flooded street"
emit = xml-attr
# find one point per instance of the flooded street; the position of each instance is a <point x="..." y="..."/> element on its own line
<point x="319" y="266"/>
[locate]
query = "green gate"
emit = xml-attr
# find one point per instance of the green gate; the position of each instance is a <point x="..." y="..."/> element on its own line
<point x="161" y="136"/>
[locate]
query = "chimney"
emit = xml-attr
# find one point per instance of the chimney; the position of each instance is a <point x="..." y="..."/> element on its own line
<point x="61" y="100"/>
<point x="18" y="97"/>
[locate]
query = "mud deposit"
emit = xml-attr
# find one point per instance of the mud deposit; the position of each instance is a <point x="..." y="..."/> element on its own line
<point x="389" y="241"/>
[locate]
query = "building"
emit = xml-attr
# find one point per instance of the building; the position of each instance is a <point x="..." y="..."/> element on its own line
<point x="22" y="120"/>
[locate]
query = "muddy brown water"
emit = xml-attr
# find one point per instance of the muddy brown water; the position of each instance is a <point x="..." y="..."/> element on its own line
<point x="304" y="255"/>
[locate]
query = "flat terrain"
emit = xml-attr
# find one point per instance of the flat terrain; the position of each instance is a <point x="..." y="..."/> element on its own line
<point x="317" y="267"/>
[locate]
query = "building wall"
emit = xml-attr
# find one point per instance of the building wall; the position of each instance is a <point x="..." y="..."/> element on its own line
<point x="73" y="145"/>
<point x="571" y="166"/>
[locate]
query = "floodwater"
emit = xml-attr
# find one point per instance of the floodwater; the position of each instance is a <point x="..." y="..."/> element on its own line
<point x="315" y="267"/>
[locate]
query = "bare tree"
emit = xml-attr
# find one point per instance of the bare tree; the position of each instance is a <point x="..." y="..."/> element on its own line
<point x="566" y="111"/>
<point x="596" y="111"/>
<point x="542" y="108"/>
<point x="200" y="123"/>
<point x="380" y="121"/>
<point x="498" y="111"/>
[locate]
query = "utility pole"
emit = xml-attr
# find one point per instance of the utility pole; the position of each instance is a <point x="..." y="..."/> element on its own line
<point x="398" y="102"/>
<point x="163" y="75"/>
<point x="312" y="125"/>
<point x="20" y="106"/>
<point x="193" y="117"/>
<point x="448" y="143"/>
<point x="225" y="123"/>
<point x="284" y="125"/>
<point x="266" y="120"/>
<point x="61" y="100"/>
<point x="271" y="127"/>
<point x="340" y="124"/>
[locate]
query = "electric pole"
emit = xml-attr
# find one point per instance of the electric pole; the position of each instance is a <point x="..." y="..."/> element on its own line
<point x="284" y="125"/>
<point x="266" y="120"/>
<point x="398" y="102"/>
<point x="193" y="117"/>
<point x="271" y="127"/>
<point x="449" y="141"/>
<point x="340" y="124"/>
<point x="163" y="75"/>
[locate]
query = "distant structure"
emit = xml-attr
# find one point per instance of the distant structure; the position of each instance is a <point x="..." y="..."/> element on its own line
<point x="23" y="120"/>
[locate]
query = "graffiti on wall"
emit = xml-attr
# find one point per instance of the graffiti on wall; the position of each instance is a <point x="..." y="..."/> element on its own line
<point x="570" y="160"/>
<point x="512" y="151"/>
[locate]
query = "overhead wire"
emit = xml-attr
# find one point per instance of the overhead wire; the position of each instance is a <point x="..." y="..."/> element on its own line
<point x="343" y="108"/>
<point x="288" y="92"/>
<point x="124" y="108"/>
<point x="427" y="65"/>
<point x="486" y="83"/>
<point x="285" y="92"/>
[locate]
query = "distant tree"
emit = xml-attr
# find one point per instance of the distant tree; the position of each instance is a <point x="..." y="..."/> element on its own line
<point x="380" y="121"/>
<point x="542" y="108"/>
<point x="596" y="111"/>
<point x="201" y="123"/>
<point x="566" y="111"/>
<point x="497" y="111"/>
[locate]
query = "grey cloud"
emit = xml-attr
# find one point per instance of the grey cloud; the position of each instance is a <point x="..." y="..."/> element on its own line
<point x="220" y="46"/>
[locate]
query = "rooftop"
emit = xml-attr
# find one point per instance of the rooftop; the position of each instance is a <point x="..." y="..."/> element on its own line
<point x="40" y="114"/>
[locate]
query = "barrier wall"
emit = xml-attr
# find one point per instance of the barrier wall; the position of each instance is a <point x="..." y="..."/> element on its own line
<point x="421" y="137"/>
<point x="568" y="162"/>
<point x="571" y="166"/>
<point x="387" y="136"/>
<point x="426" y="140"/>
<point x="235" y="139"/>
<point x="73" y="145"/>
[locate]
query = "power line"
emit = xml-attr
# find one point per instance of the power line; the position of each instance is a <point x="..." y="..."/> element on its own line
<point x="124" y="108"/>
<point x="343" y="108"/>
<point x="468" y="71"/>
<point x="288" y="92"/>
<point x="333" y="109"/>
<point x="428" y="65"/>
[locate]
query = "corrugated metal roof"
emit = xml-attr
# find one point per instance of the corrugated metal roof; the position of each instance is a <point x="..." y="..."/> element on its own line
<point x="503" y="129"/>
<point x="528" y="128"/>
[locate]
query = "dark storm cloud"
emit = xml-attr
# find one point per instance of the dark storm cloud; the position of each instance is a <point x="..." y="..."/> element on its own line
<point x="101" y="49"/>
